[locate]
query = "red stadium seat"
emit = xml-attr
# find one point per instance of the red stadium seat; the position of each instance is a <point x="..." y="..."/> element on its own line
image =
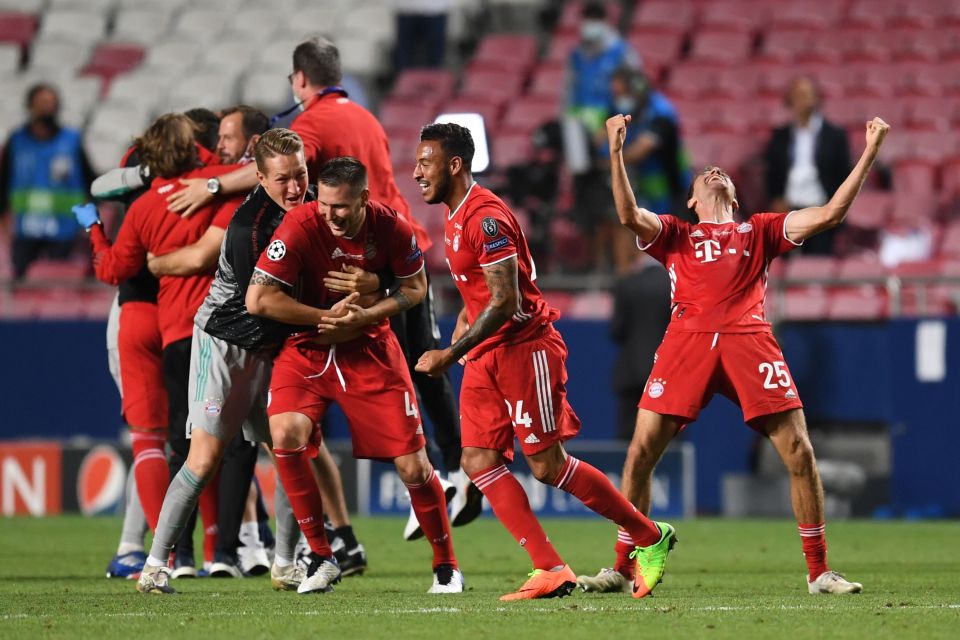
<point x="511" y="149"/>
<point x="17" y="28"/>
<point x="915" y="177"/>
<point x="914" y="209"/>
<point x="871" y="210"/>
<point x="808" y="303"/>
<point x="492" y="85"/>
<point x="548" y="82"/>
<point x="692" y="79"/>
<point x="110" y="59"/>
<point x="803" y="267"/>
<point x="561" y="45"/>
<point x="950" y="178"/>
<point x="489" y="109"/>
<point x="525" y="115"/>
<point x="414" y="83"/>
<point x="660" y="16"/>
<point x="721" y="47"/>
<point x="865" y="304"/>
<point x="733" y="16"/>
<point x="870" y="14"/>
<point x="861" y="266"/>
<point x="800" y="13"/>
<point x="512" y="50"/>
<point x="397" y="115"/>
<point x="656" y="49"/>
<point x="784" y="45"/>
<point x="58" y="270"/>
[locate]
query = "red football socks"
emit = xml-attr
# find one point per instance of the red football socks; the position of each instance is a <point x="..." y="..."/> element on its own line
<point x="624" y="564"/>
<point x="296" y="474"/>
<point x="430" y="505"/>
<point x="151" y="472"/>
<point x="510" y="504"/>
<point x="593" y="489"/>
<point x="208" y="514"/>
<point x="814" y="542"/>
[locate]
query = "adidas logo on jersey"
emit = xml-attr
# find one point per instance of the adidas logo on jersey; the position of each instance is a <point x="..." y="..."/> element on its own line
<point x="697" y="234"/>
<point x="790" y="394"/>
<point x="531" y="439"/>
<point x="419" y="431"/>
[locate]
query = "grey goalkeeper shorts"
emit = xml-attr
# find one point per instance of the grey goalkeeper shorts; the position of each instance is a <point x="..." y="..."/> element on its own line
<point x="228" y="389"/>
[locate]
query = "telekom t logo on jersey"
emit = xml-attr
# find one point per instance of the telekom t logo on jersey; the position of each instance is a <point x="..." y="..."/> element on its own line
<point x="707" y="250"/>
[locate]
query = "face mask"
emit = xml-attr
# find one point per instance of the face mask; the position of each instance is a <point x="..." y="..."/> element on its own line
<point x="625" y="105"/>
<point x="296" y="99"/>
<point x="47" y="120"/>
<point x="593" y="30"/>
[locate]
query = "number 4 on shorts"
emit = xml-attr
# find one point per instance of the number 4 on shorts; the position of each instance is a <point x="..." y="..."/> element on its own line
<point x="409" y="408"/>
<point x="519" y="418"/>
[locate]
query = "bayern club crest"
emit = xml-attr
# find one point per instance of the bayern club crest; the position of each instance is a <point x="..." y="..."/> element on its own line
<point x="456" y="243"/>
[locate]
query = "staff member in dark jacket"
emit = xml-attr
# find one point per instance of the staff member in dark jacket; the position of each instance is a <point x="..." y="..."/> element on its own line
<point x="641" y="313"/>
<point x="806" y="159"/>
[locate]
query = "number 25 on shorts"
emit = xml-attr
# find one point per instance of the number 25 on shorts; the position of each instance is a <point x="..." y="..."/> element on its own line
<point x="776" y="368"/>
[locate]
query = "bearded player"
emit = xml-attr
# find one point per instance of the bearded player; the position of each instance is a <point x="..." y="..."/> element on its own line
<point x="515" y="373"/>
<point x="719" y="341"/>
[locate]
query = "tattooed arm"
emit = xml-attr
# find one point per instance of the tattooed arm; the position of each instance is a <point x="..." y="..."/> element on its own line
<point x="504" y="302"/>
<point x="269" y="298"/>
<point x="408" y="293"/>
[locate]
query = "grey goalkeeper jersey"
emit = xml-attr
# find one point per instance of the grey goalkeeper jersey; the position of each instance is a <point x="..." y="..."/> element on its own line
<point x="223" y="313"/>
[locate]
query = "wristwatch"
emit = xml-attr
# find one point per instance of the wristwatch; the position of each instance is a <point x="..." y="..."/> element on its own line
<point x="213" y="185"/>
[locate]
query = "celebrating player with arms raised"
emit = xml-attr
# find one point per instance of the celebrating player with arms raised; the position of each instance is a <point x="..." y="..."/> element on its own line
<point x="719" y="340"/>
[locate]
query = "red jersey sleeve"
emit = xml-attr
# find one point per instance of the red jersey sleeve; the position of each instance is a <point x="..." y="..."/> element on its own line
<point x="406" y="258"/>
<point x="772" y="228"/>
<point x="114" y="264"/>
<point x="665" y="242"/>
<point x="284" y="256"/>
<point x="492" y="234"/>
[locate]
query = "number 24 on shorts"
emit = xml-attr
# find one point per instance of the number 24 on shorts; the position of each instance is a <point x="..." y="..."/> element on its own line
<point x="778" y="368"/>
<point x="519" y="418"/>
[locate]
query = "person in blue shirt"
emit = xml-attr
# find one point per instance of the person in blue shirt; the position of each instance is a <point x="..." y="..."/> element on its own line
<point x="43" y="172"/>
<point x="591" y="65"/>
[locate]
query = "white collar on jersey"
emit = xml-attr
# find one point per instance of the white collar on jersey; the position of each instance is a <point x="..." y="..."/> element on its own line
<point x="454" y="212"/>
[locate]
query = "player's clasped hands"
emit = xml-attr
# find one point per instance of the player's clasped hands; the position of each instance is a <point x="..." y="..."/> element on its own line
<point x="877" y="130"/>
<point x="348" y="316"/>
<point x="433" y="363"/>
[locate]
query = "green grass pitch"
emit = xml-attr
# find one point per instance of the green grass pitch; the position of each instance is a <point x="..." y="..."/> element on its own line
<point x="725" y="579"/>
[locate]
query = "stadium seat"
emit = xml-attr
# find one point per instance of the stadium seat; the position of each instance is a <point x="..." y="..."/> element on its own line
<point x="267" y="90"/>
<point x="784" y="45"/>
<point x="141" y="25"/>
<point x="859" y="267"/>
<point x="54" y="52"/>
<point x="561" y="44"/>
<point x="78" y="96"/>
<point x="721" y="47"/>
<point x="416" y="82"/>
<point x="802" y="14"/>
<point x="916" y="177"/>
<point x="490" y="110"/>
<point x="174" y="53"/>
<point x="950" y="178"/>
<point x="491" y="85"/>
<point x="513" y="51"/>
<point x="198" y="24"/>
<point x="10" y="55"/>
<point x="802" y="267"/>
<point x="61" y="271"/>
<point x="871" y="210"/>
<point x="808" y="303"/>
<point x="525" y="115"/>
<point x="32" y="7"/>
<point x="256" y="23"/>
<point x="228" y="53"/>
<point x="366" y="21"/>
<point x="864" y="304"/>
<point x="656" y="50"/>
<point x="17" y="28"/>
<point x="404" y="116"/>
<point x="592" y="305"/>
<point x="210" y="88"/>
<point x="111" y="59"/>
<point x="73" y="25"/>
<point x="360" y="56"/>
<point x="510" y="149"/>
<point x="548" y="82"/>
<point x="660" y="16"/>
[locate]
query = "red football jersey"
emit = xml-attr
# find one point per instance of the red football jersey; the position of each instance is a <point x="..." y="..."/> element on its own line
<point x="150" y="227"/>
<point x="303" y="250"/>
<point x="480" y="232"/>
<point x="334" y="126"/>
<point x="718" y="271"/>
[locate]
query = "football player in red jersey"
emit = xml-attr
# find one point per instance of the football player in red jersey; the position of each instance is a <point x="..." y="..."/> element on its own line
<point x="355" y="361"/>
<point x="515" y="372"/>
<point x="719" y="341"/>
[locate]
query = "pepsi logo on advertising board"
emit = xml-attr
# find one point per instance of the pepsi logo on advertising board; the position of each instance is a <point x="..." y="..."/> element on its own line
<point x="101" y="481"/>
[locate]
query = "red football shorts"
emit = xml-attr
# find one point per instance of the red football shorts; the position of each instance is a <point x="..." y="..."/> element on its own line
<point x="141" y="373"/>
<point x="518" y="390"/>
<point x="369" y="380"/>
<point x="748" y="368"/>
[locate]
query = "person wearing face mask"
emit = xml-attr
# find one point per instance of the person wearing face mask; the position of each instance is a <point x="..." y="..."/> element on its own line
<point x="44" y="171"/>
<point x="653" y="155"/>
<point x="601" y="51"/>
